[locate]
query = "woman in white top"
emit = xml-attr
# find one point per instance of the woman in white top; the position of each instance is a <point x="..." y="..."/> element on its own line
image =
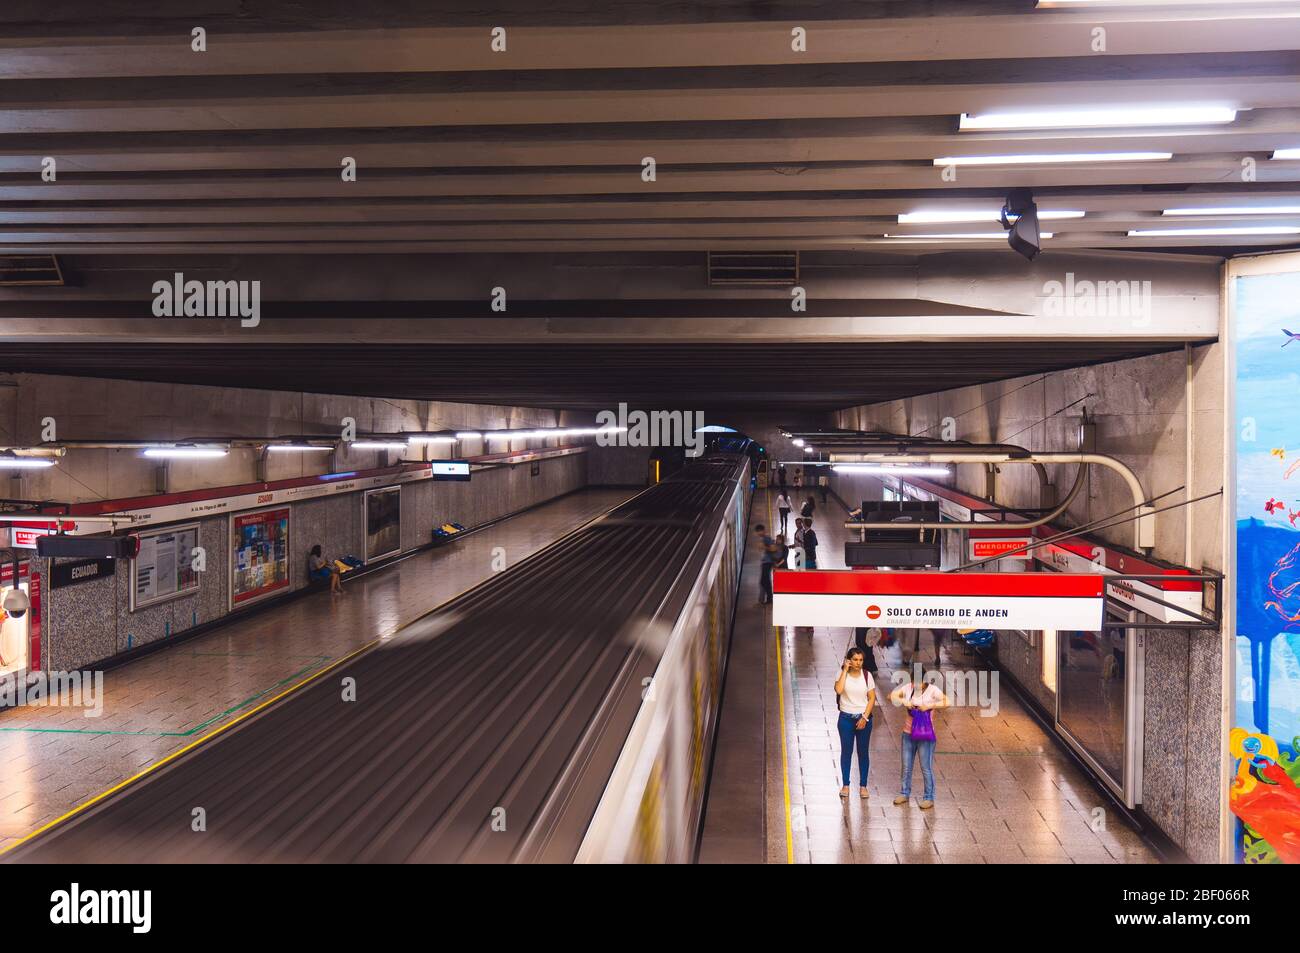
<point x="855" y="692"/>
<point x="783" y="507"/>
<point x="927" y="697"/>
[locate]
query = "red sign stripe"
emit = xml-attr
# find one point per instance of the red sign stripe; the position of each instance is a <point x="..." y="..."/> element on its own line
<point x="840" y="582"/>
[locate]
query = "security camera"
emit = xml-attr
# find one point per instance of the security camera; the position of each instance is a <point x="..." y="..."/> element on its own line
<point x="1020" y="219"/>
<point x="16" y="603"/>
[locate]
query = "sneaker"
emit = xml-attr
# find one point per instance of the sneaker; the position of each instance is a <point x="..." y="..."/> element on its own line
<point x="901" y="799"/>
<point x="926" y="805"/>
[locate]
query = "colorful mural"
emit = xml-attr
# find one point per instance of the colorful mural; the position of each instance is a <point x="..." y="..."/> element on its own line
<point x="1264" y="794"/>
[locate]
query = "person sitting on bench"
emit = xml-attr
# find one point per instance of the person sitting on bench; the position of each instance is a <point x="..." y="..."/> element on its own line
<point x="319" y="570"/>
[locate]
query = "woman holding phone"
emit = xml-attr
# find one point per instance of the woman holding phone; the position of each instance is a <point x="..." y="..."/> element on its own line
<point x="855" y="694"/>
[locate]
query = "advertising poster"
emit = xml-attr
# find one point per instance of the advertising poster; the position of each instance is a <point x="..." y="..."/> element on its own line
<point x="164" y="567"/>
<point x="260" y="560"/>
<point x="1265" y="789"/>
<point x="383" y="522"/>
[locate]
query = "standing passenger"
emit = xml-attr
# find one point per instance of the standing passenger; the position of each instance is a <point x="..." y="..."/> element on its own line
<point x="783" y="507"/>
<point x="798" y="479"/>
<point x="855" y="692"/>
<point x="809" y="507"/>
<point x="918" y="732"/>
<point x="809" y="545"/>
<point x="765" y="570"/>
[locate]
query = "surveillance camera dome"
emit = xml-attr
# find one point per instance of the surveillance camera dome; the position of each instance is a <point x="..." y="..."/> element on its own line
<point x="16" y="603"/>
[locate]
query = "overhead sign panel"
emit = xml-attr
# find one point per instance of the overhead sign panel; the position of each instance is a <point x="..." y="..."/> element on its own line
<point x="938" y="600"/>
<point x="1002" y="547"/>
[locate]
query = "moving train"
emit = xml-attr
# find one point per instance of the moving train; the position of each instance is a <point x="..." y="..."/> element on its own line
<point x="562" y="710"/>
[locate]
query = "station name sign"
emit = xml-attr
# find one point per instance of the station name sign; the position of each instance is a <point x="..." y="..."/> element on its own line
<point x="82" y="570"/>
<point x="938" y="600"/>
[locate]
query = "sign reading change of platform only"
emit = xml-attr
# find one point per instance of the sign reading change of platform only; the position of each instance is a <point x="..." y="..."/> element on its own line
<point x="939" y="600"/>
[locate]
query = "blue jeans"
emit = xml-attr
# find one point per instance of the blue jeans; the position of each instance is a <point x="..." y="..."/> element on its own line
<point x="910" y="750"/>
<point x="849" y="732"/>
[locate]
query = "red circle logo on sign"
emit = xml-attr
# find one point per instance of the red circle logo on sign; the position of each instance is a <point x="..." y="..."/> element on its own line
<point x="873" y="612"/>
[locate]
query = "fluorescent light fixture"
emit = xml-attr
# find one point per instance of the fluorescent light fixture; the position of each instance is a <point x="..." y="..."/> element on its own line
<point x="877" y="469"/>
<point x="24" y="463"/>
<point x="981" y="236"/>
<point x="711" y="428"/>
<point x="1101" y="117"/>
<point x="584" y="431"/>
<point x="798" y="441"/>
<point x="809" y="450"/>
<point x="377" y="445"/>
<point x="1207" y="232"/>
<point x="954" y="217"/>
<point x="469" y="435"/>
<point x="1063" y="158"/>
<point x="1237" y="210"/>
<point x="418" y="439"/>
<point x="296" y="448"/>
<point x="185" y="453"/>
<point x="1286" y="153"/>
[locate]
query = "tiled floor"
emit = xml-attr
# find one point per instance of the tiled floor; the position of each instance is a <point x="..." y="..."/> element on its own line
<point x="1004" y="791"/>
<point x="52" y="759"/>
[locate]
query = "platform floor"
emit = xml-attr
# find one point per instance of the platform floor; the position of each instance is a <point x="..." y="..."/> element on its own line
<point x="1005" y="793"/>
<point x="53" y="759"/>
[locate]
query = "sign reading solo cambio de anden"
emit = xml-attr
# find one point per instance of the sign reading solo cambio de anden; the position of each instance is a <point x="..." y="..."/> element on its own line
<point x="938" y="600"/>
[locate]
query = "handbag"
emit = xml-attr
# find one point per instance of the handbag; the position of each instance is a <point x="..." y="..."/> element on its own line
<point x="922" y="726"/>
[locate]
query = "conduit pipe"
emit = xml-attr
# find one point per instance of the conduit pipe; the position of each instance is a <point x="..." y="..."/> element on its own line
<point x="1144" y="526"/>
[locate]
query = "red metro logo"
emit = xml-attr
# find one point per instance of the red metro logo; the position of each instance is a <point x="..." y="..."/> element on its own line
<point x="873" y="612"/>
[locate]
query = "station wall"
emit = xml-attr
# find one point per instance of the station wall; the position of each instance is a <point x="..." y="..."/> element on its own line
<point x="1142" y="409"/>
<point x="90" y="622"/>
<point x="85" y="408"/>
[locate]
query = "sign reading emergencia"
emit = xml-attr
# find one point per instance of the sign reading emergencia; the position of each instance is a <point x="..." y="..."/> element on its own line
<point x="939" y="600"/>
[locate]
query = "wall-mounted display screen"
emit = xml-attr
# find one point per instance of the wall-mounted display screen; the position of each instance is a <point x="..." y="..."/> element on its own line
<point x="450" y="469"/>
<point x="383" y="522"/>
<point x="163" y="569"/>
<point x="259" y="564"/>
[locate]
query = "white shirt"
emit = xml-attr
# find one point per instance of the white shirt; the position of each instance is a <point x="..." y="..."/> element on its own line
<point x="853" y="700"/>
<point x="932" y="695"/>
<point x="783" y="502"/>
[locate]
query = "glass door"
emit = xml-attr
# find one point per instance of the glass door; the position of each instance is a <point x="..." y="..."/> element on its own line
<point x="1098" y="701"/>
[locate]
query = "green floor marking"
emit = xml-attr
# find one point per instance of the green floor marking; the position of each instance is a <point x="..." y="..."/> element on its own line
<point x="180" y="734"/>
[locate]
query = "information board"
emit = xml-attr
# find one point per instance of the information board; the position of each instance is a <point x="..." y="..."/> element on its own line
<point x="164" y="566"/>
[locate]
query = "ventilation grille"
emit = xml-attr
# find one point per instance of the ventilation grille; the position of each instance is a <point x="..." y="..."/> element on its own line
<point x="754" y="269"/>
<point x="29" y="270"/>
